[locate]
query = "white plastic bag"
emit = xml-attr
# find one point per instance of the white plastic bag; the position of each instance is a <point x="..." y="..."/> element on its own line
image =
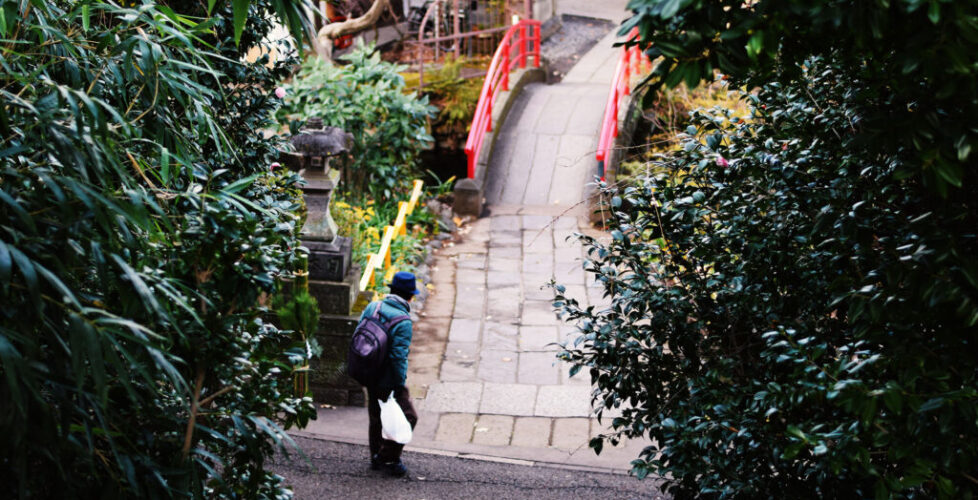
<point x="393" y="423"/>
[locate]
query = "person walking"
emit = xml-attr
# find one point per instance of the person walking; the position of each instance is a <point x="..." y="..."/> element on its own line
<point x="386" y="454"/>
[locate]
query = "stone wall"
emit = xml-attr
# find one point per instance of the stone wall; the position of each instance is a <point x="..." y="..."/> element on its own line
<point x="328" y="380"/>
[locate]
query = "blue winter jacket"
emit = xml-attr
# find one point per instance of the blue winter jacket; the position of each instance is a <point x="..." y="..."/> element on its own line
<point x="395" y="370"/>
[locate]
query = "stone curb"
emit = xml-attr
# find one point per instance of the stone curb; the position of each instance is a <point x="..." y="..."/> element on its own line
<point x="480" y="457"/>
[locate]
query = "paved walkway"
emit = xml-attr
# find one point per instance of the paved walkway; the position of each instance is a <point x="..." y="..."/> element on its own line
<point x="483" y="365"/>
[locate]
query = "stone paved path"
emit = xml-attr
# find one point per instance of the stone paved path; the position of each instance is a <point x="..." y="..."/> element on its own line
<point x="483" y="366"/>
<point x="499" y="382"/>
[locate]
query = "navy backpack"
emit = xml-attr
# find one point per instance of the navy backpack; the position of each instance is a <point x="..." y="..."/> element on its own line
<point x="368" y="347"/>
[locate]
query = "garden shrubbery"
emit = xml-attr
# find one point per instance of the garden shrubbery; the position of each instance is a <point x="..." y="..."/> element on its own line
<point x="141" y="233"/>
<point x="365" y="97"/>
<point x="805" y="326"/>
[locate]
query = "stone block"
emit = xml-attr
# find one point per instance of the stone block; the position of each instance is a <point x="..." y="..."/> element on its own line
<point x="537" y="222"/>
<point x="329" y="261"/>
<point x="501" y="252"/>
<point x="538" y="241"/>
<point x="505" y="239"/>
<point x="536" y="263"/>
<point x="471" y="260"/>
<point x="537" y="368"/>
<point x="455" y="428"/>
<point x="470" y="276"/>
<point x="566" y="222"/>
<point x="532" y="432"/>
<point x="335" y="297"/>
<point x="538" y="312"/>
<point x="571" y="434"/>
<point x="502" y="280"/>
<point x="328" y="371"/>
<point x="493" y="430"/>
<point x="500" y="336"/>
<point x="538" y="338"/>
<point x="456" y="397"/>
<point x="504" y="223"/>
<point x="468" y="198"/>
<point x="460" y="362"/>
<point x="503" y="265"/>
<point x="464" y="330"/>
<point x="563" y="401"/>
<point x="497" y="365"/>
<point x="508" y="399"/>
<point x="538" y="292"/>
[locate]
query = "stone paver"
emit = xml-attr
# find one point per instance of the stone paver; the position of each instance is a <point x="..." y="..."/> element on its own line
<point x="469" y="301"/>
<point x="508" y="399"/>
<point x="538" y="312"/>
<point x="459" y="397"/>
<point x="571" y="433"/>
<point x="504" y="307"/>
<point x="537" y="368"/>
<point x="501" y="336"/>
<point x="464" y="330"/>
<point x="460" y="361"/>
<point x="532" y="432"/>
<point x="538" y="338"/>
<point x="455" y="428"/>
<point x="493" y="430"/>
<point x="497" y="365"/>
<point x="471" y="261"/>
<point x="563" y="401"/>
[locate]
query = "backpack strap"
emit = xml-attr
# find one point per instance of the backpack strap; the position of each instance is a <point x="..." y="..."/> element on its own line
<point x="395" y="321"/>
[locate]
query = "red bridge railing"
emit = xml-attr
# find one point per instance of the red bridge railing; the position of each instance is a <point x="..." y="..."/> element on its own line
<point x="522" y="38"/>
<point x="628" y="64"/>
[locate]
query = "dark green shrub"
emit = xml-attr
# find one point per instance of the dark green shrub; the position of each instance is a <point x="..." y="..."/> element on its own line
<point x="805" y="327"/>
<point x="367" y="98"/>
<point x="140" y="230"/>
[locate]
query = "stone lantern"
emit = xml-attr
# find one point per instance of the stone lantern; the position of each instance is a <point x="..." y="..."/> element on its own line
<point x="329" y="253"/>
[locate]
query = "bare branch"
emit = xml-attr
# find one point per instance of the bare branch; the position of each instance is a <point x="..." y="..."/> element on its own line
<point x="332" y="31"/>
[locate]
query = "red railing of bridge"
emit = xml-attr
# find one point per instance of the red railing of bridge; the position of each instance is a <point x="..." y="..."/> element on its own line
<point x="524" y="37"/>
<point x="629" y="63"/>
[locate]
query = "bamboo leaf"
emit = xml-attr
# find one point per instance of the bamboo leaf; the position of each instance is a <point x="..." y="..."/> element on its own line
<point x="240" y="17"/>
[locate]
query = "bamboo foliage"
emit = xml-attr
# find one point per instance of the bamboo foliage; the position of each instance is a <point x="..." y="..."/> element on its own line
<point x="139" y="226"/>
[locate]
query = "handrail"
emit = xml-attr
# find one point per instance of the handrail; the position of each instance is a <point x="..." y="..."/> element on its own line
<point x="497" y="78"/>
<point x="628" y="63"/>
<point x="383" y="255"/>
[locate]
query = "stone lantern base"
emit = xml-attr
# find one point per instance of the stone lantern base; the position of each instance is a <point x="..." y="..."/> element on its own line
<point x="329" y="261"/>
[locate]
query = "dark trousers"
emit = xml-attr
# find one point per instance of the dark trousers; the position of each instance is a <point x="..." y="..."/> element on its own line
<point x="387" y="451"/>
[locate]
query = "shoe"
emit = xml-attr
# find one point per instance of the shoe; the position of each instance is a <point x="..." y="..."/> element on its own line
<point x="396" y="469"/>
<point x="375" y="463"/>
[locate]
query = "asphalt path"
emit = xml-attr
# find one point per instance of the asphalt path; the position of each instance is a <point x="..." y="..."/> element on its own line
<point x="340" y="470"/>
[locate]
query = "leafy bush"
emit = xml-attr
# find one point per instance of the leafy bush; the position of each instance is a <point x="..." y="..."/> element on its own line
<point x="805" y="325"/>
<point x="454" y="96"/>
<point x="366" y="98"/>
<point x="667" y="119"/>
<point x="141" y="231"/>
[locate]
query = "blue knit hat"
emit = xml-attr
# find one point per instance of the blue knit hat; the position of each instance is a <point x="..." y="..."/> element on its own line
<point x="404" y="282"/>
